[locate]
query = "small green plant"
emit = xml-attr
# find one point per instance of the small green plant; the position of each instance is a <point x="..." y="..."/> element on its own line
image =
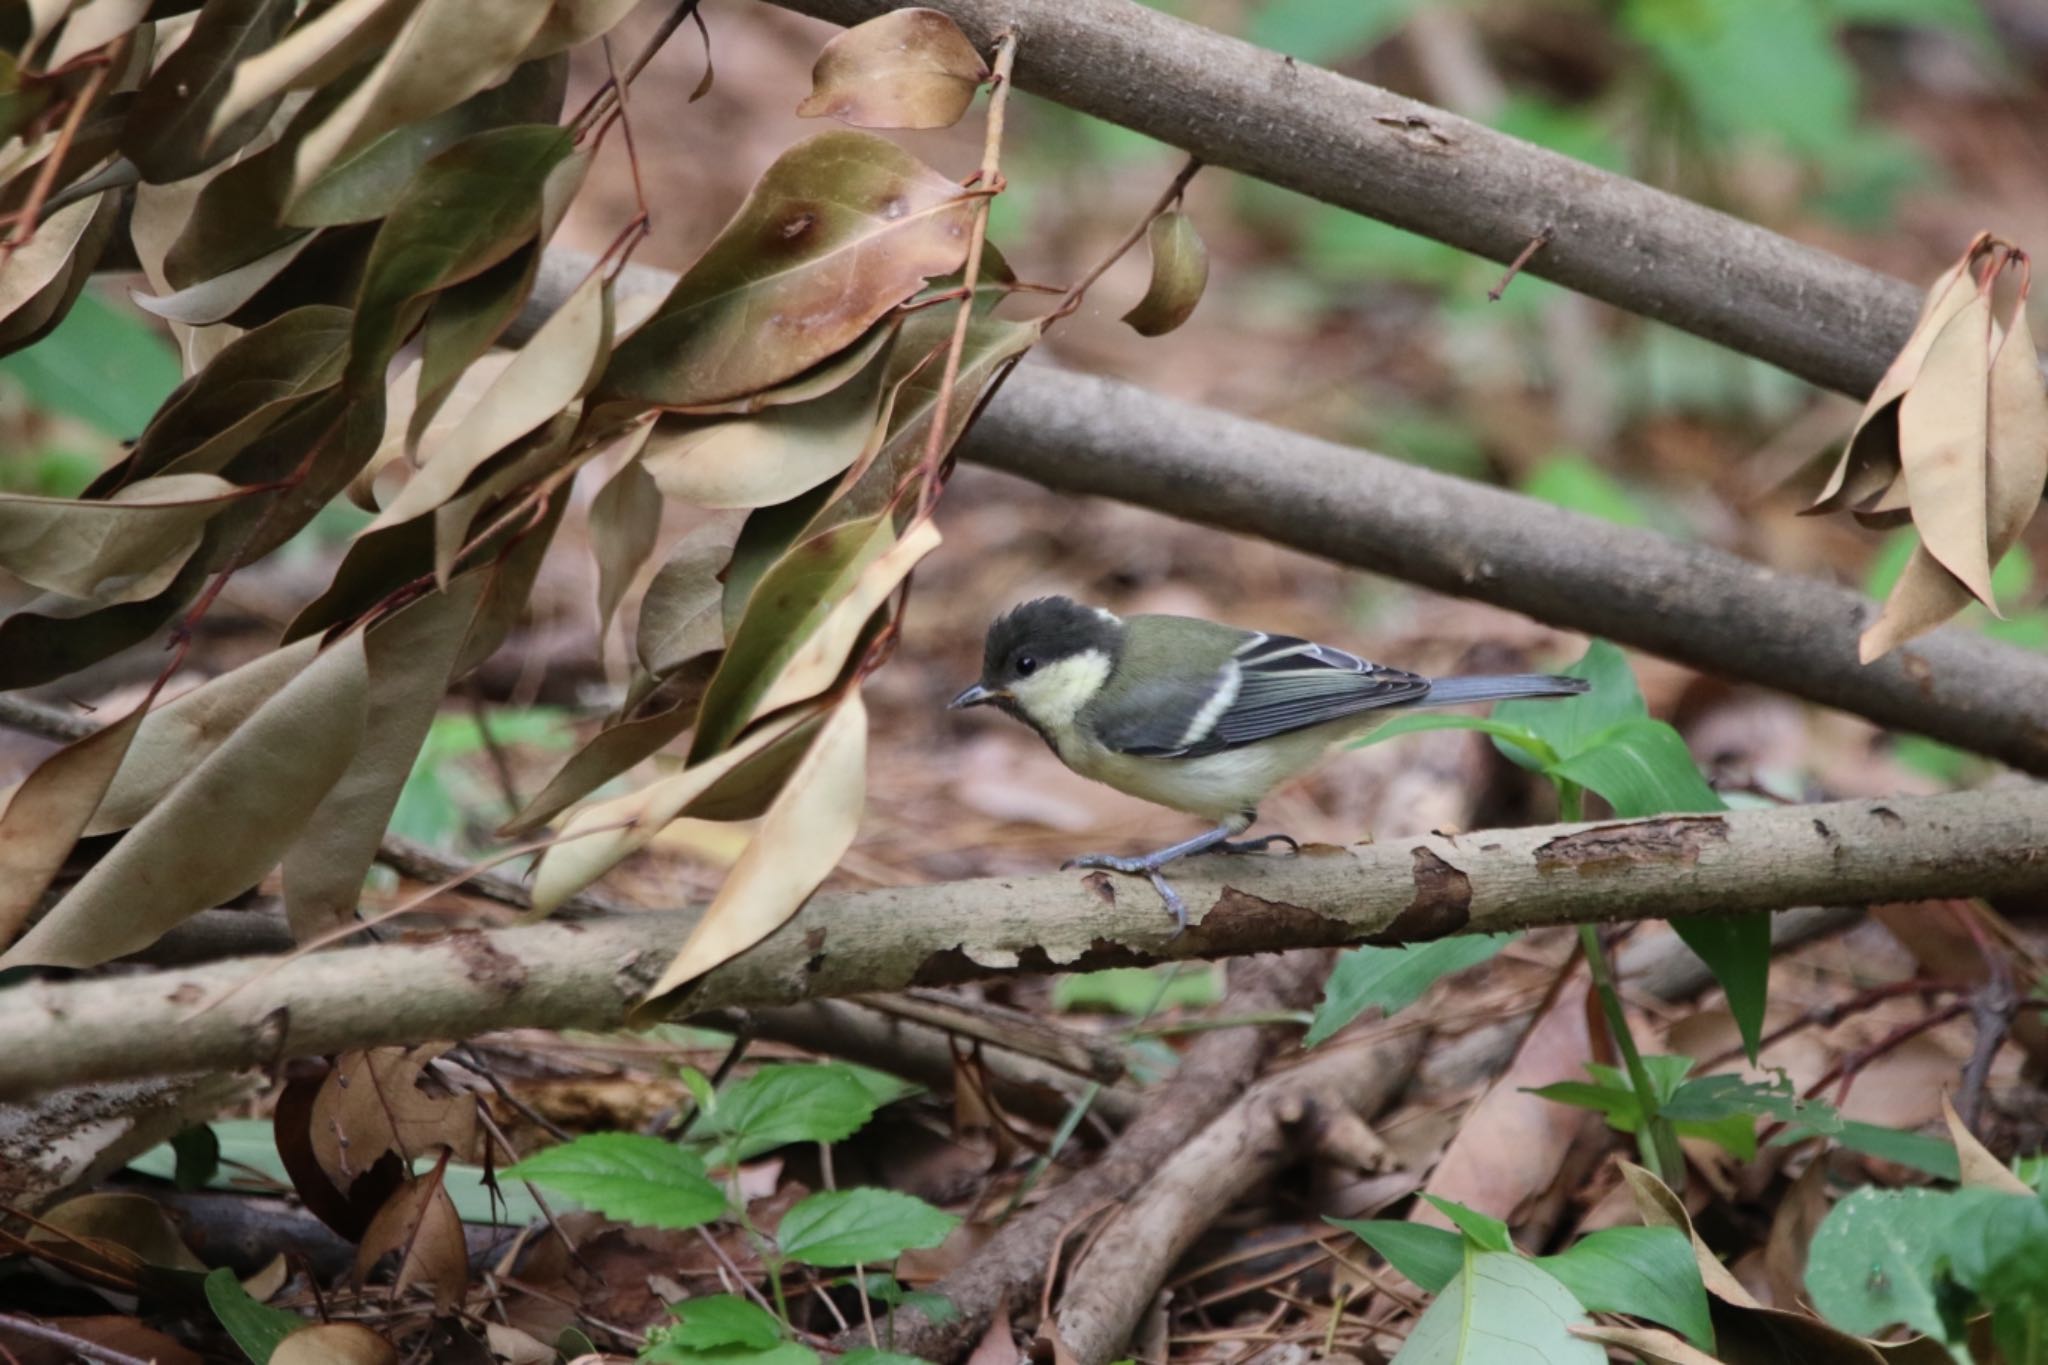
<point x="655" y="1182"/>
<point x="1486" y="1288"/>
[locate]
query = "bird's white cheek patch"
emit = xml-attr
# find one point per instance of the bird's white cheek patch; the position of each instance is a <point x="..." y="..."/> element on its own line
<point x="1056" y="693"/>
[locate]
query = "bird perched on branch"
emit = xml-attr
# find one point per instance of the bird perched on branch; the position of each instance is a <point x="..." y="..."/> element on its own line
<point x="1200" y="717"/>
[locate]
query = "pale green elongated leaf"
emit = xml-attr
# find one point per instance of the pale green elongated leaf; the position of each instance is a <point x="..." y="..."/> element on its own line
<point x="166" y="133"/>
<point x="609" y="753"/>
<point x="243" y="391"/>
<point x="1180" y="272"/>
<point x="907" y="68"/>
<point x="841" y="229"/>
<point x="679" y="615"/>
<point x="1643" y="1272"/>
<point x="256" y="1327"/>
<point x="544" y="451"/>
<point x="818" y="661"/>
<point x="1393" y="978"/>
<point x="851" y="1227"/>
<point x="312" y="54"/>
<point x="497" y="178"/>
<point x="47" y="812"/>
<point x="1944" y="437"/>
<point x="801" y="839"/>
<point x="262" y="784"/>
<point x="627" y="1176"/>
<point x="215" y="300"/>
<point x="1501" y="1308"/>
<point x="180" y="733"/>
<point x="446" y="51"/>
<point x="364" y="187"/>
<point x="596" y="838"/>
<point x="124" y="549"/>
<point x="1642" y="768"/>
<point x="410" y="656"/>
<point x="549" y="373"/>
<point x="625" y="519"/>
<point x="93" y="24"/>
<point x="1482" y="1231"/>
<point x="753" y="461"/>
<point x="1432" y="1257"/>
<point x="722" y="1320"/>
<point x="572" y="23"/>
<point x="783" y="1104"/>
<point x="793" y="601"/>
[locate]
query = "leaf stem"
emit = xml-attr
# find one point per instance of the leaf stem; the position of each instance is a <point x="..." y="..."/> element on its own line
<point x="1079" y="290"/>
<point x="1655" y="1138"/>
<point x="991" y="181"/>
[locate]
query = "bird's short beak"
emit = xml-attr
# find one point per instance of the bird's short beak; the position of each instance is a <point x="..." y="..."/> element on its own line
<point x="976" y="695"/>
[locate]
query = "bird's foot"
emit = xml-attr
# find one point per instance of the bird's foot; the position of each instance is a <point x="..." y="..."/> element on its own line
<point x="1148" y="868"/>
<point x="1258" y="845"/>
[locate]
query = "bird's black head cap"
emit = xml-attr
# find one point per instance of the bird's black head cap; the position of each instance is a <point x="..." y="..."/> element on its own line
<point x="1042" y="631"/>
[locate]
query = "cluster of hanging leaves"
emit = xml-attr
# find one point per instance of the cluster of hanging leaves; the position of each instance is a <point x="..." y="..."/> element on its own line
<point x="1954" y="440"/>
<point x="340" y="210"/>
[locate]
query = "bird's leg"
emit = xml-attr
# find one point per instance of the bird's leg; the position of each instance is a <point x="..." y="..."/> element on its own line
<point x="1258" y="845"/>
<point x="1148" y="865"/>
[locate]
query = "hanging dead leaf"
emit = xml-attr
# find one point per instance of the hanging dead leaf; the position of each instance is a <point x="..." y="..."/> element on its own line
<point x="909" y="68"/>
<point x="264" y="782"/>
<point x="842" y="228"/>
<point x="1944" y="433"/>
<point x="120" y="549"/>
<point x="371" y="1103"/>
<point x="47" y="812"/>
<point x="219" y="298"/>
<point x="1180" y="272"/>
<point x="166" y="131"/>
<point x="420" y="1225"/>
<point x="679" y="615"/>
<point x="761" y="459"/>
<point x="45" y="256"/>
<point x="625" y="520"/>
<point x="311" y="55"/>
<point x="334" y="1343"/>
<point x="598" y="837"/>
<point x="802" y="838"/>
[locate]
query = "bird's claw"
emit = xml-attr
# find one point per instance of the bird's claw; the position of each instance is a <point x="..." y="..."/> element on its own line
<point x="1138" y="867"/>
<point x="1258" y="845"/>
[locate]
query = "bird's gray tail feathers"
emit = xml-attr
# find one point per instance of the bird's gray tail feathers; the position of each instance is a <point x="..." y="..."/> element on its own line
<point x="1458" y="691"/>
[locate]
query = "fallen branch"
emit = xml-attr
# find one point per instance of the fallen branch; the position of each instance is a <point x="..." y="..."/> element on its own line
<point x="589" y="974"/>
<point x="1418" y="167"/>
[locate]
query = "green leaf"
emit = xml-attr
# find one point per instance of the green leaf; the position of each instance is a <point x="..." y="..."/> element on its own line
<point x="1535" y="752"/>
<point x="1137" y="990"/>
<point x="1753" y="67"/>
<point x="1933" y="1156"/>
<point x="1568" y="724"/>
<point x="1483" y="1231"/>
<point x="1394" y="978"/>
<point x="1500" y="1310"/>
<point x="1643" y="1272"/>
<point x="630" y="1177"/>
<point x="723" y="1320"/>
<point x="1318" y="31"/>
<point x="1180" y="272"/>
<point x="1872" y="1261"/>
<point x="1641" y="767"/>
<point x="842" y="228"/>
<point x="870" y="1355"/>
<point x="198" y="1158"/>
<point x="779" y="1105"/>
<point x="782" y="1353"/>
<point x="256" y="1327"/>
<point x="849" y="1227"/>
<point x="1576" y="483"/>
<point x="1618" y="1104"/>
<point x="100" y="365"/>
<point x="1430" y="1256"/>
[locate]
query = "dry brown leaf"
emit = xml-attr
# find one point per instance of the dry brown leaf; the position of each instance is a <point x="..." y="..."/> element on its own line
<point x="334" y="1343"/>
<point x="1944" y="433"/>
<point x="909" y="68"/>
<point x="126" y="548"/>
<point x="1651" y="1344"/>
<point x="419" y="1223"/>
<point x="371" y="1103"/>
<point x="48" y="811"/>
<point x="804" y="834"/>
<point x="1979" y="1166"/>
<point x="1797" y="1217"/>
<point x="312" y="54"/>
<point x="115" y="1232"/>
<point x="46" y="254"/>
<point x="1660" y="1208"/>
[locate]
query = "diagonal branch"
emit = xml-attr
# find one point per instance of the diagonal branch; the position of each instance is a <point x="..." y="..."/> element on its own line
<point x="588" y="974"/>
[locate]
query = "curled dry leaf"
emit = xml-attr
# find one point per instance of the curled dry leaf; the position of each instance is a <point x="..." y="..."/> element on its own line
<point x="45" y="256"/>
<point x="842" y="228"/>
<point x="598" y="837"/>
<point x="802" y="838"/>
<point x="572" y="23"/>
<point x="371" y="1103"/>
<point x="1180" y="272"/>
<point x="215" y="300"/>
<point x="263" y="783"/>
<point x="420" y="1225"/>
<point x="1944" y="431"/>
<point x="48" y="810"/>
<point x="909" y="68"/>
<point x="121" y="549"/>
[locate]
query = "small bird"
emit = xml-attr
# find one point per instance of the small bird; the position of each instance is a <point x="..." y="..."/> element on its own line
<point x="1197" y="716"/>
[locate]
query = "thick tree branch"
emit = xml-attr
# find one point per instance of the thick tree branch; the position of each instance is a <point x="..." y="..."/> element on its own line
<point x="589" y="974"/>
<point x="1418" y="167"/>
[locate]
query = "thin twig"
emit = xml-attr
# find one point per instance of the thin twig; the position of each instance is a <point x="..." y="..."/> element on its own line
<point x="28" y="217"/>
<point x="593" y="107"/>
<point x="1078" y="291"/>
<point x="1528" y="253"/>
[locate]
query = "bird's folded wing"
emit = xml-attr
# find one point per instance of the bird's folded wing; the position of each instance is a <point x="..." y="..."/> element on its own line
<point x="1273" y="685"/>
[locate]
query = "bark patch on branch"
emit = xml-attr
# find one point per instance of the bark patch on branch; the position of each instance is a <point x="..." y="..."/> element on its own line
<point x="1239" y="918"/>
<point x="1442" y="904"/>
<point x="487" y="964"/>
<point x="1616" y="848"/>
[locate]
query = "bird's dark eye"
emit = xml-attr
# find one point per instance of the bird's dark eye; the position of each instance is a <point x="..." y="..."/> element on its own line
<point x="1026" y="665"/>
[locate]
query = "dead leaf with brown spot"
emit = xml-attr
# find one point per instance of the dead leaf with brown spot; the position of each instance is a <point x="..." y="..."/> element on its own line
<point x="909" y="68"/>
<point x="420" y="1225"/>
<point x="372" y="1103"/>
